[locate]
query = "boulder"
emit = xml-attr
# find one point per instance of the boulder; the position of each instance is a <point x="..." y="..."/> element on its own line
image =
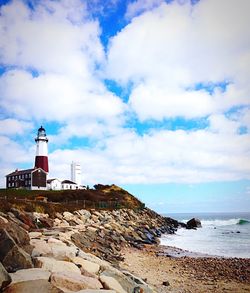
<point x="26" y="218"/>
<point x="41" y="248"/>
<point x="35" y="234"/>
<point x="87" y="265"/>
<point x="56" y="266"/>
<point x="193" y="223"/>
<point x="96" y="291"/>
<point x="127" y="281"/>
<point x="61" y="252"/>
<point x="6" y="243"/>
<point x="19" y="235"/>
<point x="17" y="259"/>
<point x="68" y="281"/>
<point x="3" y="220"/>
<point x="37" y="286"/>
<point x="30" y="275"/>
<point x="111" y="283"/>
<point x="53" y="247"/>
<point x="5" y="278"/>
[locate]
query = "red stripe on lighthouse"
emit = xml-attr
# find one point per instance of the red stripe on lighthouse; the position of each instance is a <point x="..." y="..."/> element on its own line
<point x="42" y="162"/>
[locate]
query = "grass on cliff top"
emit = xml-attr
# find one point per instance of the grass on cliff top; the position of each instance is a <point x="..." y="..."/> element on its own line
<point x="101" y="197"/>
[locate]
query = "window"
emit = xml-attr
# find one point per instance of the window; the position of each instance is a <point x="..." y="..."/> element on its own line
<point x="26" y="182"/>
<point x="29" y="175"/>
<point x="12" y="184"/>
<point x="9" y="178"/>
<point x="29" y="182"/>
<point x="9" y="185"/>
<point x="12" y="177"/>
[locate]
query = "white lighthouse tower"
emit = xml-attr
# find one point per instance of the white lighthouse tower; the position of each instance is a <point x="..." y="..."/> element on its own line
<point x="76" y="173"/>
<point x="42" y="150"/>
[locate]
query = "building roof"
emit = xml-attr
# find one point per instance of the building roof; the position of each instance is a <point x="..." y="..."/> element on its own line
<point x="50" y="180"/>
<point x="20" y="172"/>
<point x="68" y="182"/>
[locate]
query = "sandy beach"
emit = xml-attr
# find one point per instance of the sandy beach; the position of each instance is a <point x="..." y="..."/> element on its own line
<point x="186" y="272"/>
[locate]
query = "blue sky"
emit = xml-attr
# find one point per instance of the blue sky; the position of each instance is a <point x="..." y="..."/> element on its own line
<point x="151" y="95"/>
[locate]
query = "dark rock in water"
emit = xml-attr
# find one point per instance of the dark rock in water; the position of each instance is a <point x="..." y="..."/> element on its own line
<point x="166" y="283"/>
<point x="193" y="223"/>
<point x="5" y="278"/>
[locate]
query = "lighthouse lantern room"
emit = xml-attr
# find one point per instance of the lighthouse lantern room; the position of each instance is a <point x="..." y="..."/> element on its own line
<point x="41" y="160"/>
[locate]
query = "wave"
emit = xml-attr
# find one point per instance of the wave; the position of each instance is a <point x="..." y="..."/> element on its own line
<point x="228" y="222"/>
<point x="243" y="222"/>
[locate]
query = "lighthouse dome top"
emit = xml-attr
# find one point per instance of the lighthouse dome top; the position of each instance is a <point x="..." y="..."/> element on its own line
<point x="41" y="132"/>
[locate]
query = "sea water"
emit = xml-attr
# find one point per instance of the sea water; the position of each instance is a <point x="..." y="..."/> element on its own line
<point x="222" y="234"/>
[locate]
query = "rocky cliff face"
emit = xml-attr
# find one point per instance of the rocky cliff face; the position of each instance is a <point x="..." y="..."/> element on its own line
<point x="75" y="251"/>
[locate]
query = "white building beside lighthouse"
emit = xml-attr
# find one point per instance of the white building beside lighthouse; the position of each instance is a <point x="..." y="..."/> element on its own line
<point x="76" y="173"/>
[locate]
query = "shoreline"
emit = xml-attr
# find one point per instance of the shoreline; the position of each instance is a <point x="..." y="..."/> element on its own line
<point x="186" y="271"/>
<point x="108" y="249"/>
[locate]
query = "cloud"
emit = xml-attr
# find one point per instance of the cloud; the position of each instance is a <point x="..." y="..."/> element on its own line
<point x="14" y="127"/>
<point x="53" y="37"/>
<point x="173" y="47"/>
<point x="165" y="58"/>
<point x="136" y="8"/>
<point x="55" y="50"/>
<point x="162" y="156"/>
<point x="55" y="97"/>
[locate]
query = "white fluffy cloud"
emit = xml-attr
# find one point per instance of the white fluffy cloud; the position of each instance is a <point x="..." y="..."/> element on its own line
<point x="162" y="156"/>
<point x="55" y="97"/>
<point x="13" y="127"/>
<point x="55" y="64"/>
<point x="139" y="6"/>
<point x="173" y="47"/>
<point x="57" y="40"/>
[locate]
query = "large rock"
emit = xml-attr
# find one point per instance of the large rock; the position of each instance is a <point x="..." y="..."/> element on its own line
<point x="56" y="266"/>
<point x="35" y="286"/>
<point x="111" y="283"/>
<point x="95" y="291"/>
<point x="17" y="259"/>
<point x="18" y="234"/>
<point x="5" y="278"/>
<point x="74" y="282"/>
<point x="26" y="218"/>
<point x="55" y="248"/>
<point x="12" y="256"/>
<point x="87" y="265"/>
<point x="30" y="275"/>
<point x="193" y="223"/>
<point x="6" y="243"/>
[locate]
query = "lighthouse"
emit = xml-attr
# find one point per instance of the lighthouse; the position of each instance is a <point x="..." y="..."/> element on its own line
<point x="42" y="150"/>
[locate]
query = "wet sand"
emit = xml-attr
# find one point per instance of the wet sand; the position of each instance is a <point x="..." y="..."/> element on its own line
<point x="170" y="269"/>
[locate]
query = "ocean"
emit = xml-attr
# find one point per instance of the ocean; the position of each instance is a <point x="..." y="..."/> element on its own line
<point x="222" y="234"/>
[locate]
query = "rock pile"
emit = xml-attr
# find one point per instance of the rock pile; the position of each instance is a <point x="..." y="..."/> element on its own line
<point x="74" y="251"/>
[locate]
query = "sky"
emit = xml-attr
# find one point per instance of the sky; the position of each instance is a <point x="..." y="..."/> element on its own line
<point x="151" y="95"/>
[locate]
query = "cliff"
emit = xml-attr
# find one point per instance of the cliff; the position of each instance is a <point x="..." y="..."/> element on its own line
<point x="78" y="250"/>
